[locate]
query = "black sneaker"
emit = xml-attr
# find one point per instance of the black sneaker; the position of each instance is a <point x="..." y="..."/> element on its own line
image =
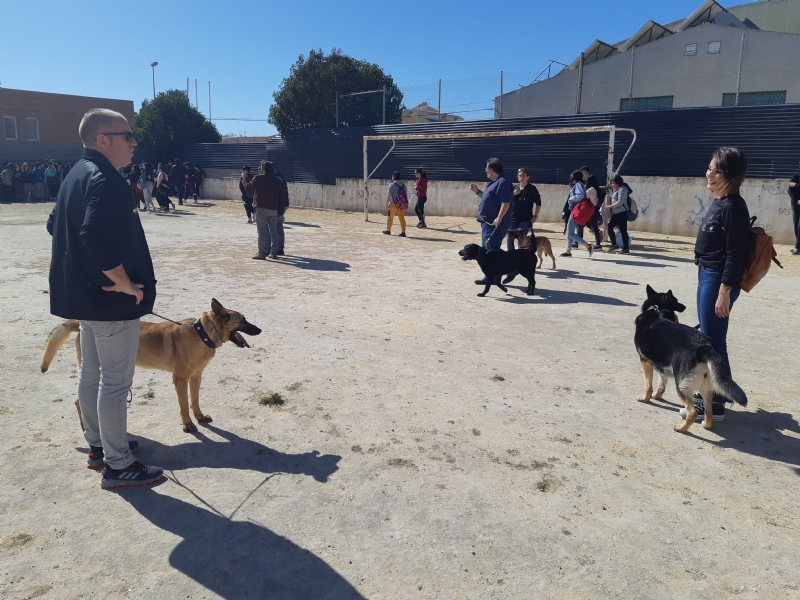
<point x="613" y="248"/>
<point x="387" y="232"/>
<point x="625" y="251"/>
<point x="717" y="411"/>
<point x="574" y="244"/>
<point x="402" y="234"/>
<point x="794" y="251"/>
<point x="422" y="225"/>
<point x="136" y="473"/>
<point x="94" y="460"/>
<point x="279" y="252"/>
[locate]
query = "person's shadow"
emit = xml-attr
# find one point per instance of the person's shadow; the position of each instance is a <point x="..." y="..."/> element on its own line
<point x="313" y="264"/>
<point x="237" y="559"/>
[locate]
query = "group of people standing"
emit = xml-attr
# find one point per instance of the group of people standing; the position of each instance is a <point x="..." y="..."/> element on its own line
<point x="612" y="214"/>
<point x="158" y="183"/>
<point x="20" y="183"/>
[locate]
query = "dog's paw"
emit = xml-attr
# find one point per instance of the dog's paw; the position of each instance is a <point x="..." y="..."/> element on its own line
<point x="204" y="418"/>
<point x="683" y="427"/>
<point x="708" y="424"/>
<point x="189" y="427"/>
<point x="643" y="399"/>
<point x="482" y="295"/>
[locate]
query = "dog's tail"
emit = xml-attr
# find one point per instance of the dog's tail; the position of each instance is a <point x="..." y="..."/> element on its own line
<point x="722" y="382"/>
<point x="56" y="339"/>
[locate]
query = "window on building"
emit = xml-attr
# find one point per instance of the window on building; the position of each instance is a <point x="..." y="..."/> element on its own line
<point x="10" y="125"/>
<point x="755" y="98"/>
<point x="32" y="124"/>
<point x="651" y="103"/>
<point x="714" y="47"/>
<point x="691" y="50"/>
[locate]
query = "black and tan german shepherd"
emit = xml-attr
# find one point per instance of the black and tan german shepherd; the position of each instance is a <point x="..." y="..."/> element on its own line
<point x="683" y="353"/>
<point x="496" y="264"/>
<point x="171" y="347"/>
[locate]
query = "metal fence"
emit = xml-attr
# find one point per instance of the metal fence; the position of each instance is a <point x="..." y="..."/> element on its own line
<point x="461" y="99"/>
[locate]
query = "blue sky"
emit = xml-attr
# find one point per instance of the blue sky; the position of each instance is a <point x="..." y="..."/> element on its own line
<point x="245" y="47"/>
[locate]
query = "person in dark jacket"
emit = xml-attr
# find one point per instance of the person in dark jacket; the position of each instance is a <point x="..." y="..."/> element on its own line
<point x="282" y="218"/>
<point x="721" y="253"/>
<point x="247" y="197"/>
<point x="270" y="201"/>
<point x="177" y="177"/>
<point x="527" y="204"/>
<point x="101" y="274"/>
<point x="794" y="202"/>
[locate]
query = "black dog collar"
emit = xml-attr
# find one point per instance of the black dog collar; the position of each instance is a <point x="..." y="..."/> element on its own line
<point x="198" y="327"/>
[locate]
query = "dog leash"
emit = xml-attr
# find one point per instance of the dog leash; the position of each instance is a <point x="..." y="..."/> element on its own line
<point x="170" y="320"/>
<point x="198" y="327"/>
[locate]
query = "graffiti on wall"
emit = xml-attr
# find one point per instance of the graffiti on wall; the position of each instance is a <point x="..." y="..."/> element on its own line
<point x="695" y="215"/>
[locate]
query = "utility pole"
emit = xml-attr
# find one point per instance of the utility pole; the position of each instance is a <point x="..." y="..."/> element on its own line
<point x="384" y="105"/>
<point x="501" y="94"/>
<point x="580" y="86"/>
<point x="196" y="104"/>
<point x="154" y="65"/>
<point x="439" y="108"/>
<point x="209" y="100"/>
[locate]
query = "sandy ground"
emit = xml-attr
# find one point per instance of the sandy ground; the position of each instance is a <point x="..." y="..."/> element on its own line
<point x="433" y="444"/>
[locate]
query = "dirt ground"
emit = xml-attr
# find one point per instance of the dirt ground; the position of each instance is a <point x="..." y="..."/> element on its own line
<point x="432" y="444"/>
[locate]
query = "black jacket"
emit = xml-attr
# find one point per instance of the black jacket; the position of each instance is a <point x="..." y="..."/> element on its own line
<point x="723" y="242"/>
<point x="177" y="174"/>
<point x="95" y="227"/>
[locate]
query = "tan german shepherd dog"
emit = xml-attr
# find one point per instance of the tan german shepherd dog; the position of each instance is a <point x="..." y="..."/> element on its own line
<point x="543" y="246"/>
<point x="171" y="347"/>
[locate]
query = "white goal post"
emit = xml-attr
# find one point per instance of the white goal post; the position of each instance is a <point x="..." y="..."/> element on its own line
<point x="610" y="167"/>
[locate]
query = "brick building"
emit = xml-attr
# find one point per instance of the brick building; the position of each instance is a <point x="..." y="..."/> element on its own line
<point x="40" y="126"/>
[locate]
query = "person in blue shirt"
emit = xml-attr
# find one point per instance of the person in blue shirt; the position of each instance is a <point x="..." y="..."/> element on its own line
<point x="494" y="211"/>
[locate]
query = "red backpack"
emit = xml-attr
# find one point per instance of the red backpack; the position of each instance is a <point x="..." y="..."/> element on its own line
<point x="401" y="201"/>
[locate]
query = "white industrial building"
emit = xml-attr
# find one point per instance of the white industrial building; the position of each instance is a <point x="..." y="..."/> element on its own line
<point x="717" y="56"/>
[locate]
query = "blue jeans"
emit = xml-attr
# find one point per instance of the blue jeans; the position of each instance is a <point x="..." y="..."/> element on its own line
<point x="572" y="236"/>
<point x="281" y="235"/>
<point x="108" y="361"/>
<point x="492" y="237"/>
<point x="716" y="328"/>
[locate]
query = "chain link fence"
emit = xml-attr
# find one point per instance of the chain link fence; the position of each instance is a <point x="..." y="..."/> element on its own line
<point x="461" y="99"/>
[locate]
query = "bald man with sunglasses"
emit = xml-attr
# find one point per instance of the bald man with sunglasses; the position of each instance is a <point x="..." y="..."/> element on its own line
<point x="101" y="274"/>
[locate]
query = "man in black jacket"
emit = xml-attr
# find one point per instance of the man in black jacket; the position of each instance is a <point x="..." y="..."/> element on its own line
<point x="177" y="177"/>
<point x="101" y="274"/>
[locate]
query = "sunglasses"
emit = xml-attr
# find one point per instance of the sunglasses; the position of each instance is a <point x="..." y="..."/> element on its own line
<point x="128" y="135"/>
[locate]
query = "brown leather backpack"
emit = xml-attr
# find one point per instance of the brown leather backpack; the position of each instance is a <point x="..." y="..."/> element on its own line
<point x="761" y="256"/>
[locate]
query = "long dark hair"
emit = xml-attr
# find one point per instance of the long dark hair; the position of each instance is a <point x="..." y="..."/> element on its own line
<point x="421" y="172"/>
<point x="576" y="177"/>
<point x="621" y="182"/>
<point x="733" y="164"/>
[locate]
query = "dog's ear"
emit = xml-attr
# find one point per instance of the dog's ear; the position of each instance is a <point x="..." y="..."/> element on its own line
<point x="669" y="295"/>
<point x="650" y="291"/>
<point x="218" y="309"/>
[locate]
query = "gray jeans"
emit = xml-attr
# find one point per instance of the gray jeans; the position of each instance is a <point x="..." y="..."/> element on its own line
<point x="267" y="224"/>
<point x="108" y="353"/>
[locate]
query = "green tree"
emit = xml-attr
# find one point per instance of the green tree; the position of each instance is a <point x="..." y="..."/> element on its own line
<point x="162" y="126"/>
<point x="307" y="98"/>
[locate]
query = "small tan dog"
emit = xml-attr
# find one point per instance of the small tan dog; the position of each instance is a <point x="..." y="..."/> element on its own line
<point x="543" y="247"/>
<point x="177" y="348"/>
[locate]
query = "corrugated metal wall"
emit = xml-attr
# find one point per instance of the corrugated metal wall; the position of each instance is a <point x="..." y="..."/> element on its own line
<point x="32" y="152"/>
<point x="671" y="143"/>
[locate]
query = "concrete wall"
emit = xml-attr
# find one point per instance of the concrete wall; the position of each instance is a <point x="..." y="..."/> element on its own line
<point x="668" y="205"/>
<point x="770" y="62"/>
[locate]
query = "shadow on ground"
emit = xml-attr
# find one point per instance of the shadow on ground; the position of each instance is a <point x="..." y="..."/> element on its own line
<point x="299" y="224"/>
<point x="235" y="453"/>
<point x="237" y="559"/>
<point x="313" y="264"/>
<point x="567" y="274"/>
<point x="561" y="297"/>
<point x="760" y="433"/>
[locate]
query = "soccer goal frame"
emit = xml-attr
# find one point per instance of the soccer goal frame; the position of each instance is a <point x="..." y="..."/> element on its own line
<point x="611" y="129"/>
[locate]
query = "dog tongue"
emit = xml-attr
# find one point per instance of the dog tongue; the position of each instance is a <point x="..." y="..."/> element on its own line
<point x="241" y="339"/>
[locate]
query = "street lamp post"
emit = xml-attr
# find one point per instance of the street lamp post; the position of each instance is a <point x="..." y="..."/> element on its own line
<point x="154" y="65"/>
